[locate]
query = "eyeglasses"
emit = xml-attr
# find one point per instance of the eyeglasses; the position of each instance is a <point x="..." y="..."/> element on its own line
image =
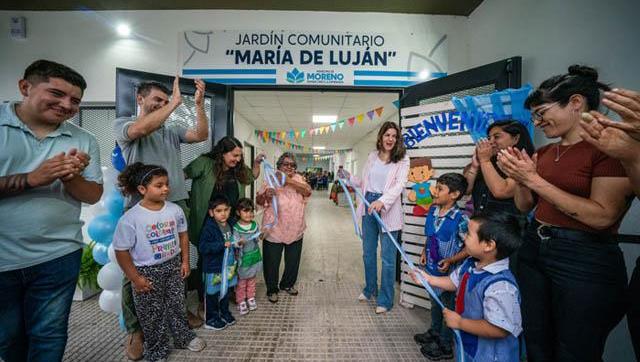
<point x="537" y="115"/>
<point x="289" y="164"/>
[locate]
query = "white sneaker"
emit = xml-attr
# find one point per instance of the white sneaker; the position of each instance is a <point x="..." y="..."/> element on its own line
<point x="363" y="298"/>
<point x="381" y="310"/>
<point x="242" y="308"/>
<point x="196" y="345"/>
<point x="252" y="304"/>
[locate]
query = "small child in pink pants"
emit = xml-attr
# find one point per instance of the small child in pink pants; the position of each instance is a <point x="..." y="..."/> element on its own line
<point x="245" y="234"/>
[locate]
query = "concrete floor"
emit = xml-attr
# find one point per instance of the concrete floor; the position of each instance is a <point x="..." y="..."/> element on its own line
<point x="324" y="322"/>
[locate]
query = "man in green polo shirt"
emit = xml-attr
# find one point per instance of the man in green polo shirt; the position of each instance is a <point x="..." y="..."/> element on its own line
<point x="145" y="138"/>
<point x="48" y="167"/>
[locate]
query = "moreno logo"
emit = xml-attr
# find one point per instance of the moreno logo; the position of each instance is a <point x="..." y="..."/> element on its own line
<point x="295" y="76"/>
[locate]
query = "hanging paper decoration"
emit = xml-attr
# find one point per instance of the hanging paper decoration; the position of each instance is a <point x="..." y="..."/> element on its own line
<point x="370" y="115"/>
<point x="478" y="112"/>
<point x="360" y="117"/>
<point x="379" y="111"/>
<point x="352" y="120"/>
<point x="396" y="104"/>
<point x="341" y="123"/>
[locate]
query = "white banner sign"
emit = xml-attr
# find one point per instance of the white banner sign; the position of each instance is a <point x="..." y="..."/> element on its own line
<point x="313" y="58"/>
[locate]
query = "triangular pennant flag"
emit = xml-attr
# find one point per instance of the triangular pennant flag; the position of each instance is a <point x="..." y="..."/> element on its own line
<point x="352" y="120"/>
<point x="297" y="133"/>
<point x="303" y="132"/>
<point x="370" y="115"/>
<point x="360" y="117"/>
<point x="333" y="127"/>
<point x="283" y="134"/>
<point x="379" y="111"/>
<point x="326" y="129"/>
<point x="396" y="103"/>
<point x="341" y="123"/>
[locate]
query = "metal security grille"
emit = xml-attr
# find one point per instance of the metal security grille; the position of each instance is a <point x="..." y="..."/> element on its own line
<point x="99" y="121"/>
<point x="449" y="152"/>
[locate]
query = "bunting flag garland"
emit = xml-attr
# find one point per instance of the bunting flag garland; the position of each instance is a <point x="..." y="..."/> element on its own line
<point x="396" y="104"/>
<point x="286" y="138"/>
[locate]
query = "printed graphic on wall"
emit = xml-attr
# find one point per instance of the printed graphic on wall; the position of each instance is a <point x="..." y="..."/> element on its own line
<point x="313" y="58"/>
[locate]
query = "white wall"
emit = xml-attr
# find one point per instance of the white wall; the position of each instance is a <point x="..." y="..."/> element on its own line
<point x="86" y="41"/>
<point x="550" y="36"/>
<point x="244" y="131"/>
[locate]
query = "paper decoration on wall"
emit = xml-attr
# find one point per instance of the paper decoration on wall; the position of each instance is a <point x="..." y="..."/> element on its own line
<point x="473" y="114"/>
<point x="478" y="112"/>
<point x="420" y="171"/>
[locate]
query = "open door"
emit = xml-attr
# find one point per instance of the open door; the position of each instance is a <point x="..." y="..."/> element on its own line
<point x="449" y="149"/>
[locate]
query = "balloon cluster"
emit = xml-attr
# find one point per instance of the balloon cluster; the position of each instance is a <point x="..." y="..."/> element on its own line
<point x="102" y="220"/>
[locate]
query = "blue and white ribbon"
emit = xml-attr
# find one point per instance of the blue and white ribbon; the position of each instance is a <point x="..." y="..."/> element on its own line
<point x="272" y="179"/>
<point x="405" y="257"/>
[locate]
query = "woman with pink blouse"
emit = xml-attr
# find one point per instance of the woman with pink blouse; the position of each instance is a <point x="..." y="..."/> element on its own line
<point x="287" y="234"/>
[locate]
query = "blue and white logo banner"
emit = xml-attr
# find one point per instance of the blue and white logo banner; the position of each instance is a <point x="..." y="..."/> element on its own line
<point x="312" y="58"/>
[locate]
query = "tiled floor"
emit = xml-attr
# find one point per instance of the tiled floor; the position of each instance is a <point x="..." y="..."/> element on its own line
<point x="323" y="323"/>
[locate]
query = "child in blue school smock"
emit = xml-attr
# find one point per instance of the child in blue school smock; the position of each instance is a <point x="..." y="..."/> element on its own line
<point x="487" y="310"/>
<point x="445" y="228"/>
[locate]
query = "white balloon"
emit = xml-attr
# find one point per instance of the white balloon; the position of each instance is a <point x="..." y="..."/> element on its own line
<point x="109" y="301"/>
<point x="112" y="254"/>
<point x="110" y="277"/>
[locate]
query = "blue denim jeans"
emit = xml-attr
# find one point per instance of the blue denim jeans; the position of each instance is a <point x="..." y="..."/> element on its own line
<point x="437" y="319"/>
<point x="371" y="232"/>
<point x="34" y="309"/>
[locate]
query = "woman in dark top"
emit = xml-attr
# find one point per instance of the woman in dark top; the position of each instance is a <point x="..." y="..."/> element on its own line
<point x="490" y="188"/>
<point x="572" y="273"/>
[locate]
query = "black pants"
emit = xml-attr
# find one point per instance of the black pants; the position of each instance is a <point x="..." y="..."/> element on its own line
<point x="573" y="294"/>
<point x="271" y="264"/>
<point x="633" y="316"/>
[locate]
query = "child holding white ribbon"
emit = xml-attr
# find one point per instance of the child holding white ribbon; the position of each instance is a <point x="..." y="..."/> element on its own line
<point x="215" y="238"/>
<point x="246" y="238"/>
<point x="487" y="309"/>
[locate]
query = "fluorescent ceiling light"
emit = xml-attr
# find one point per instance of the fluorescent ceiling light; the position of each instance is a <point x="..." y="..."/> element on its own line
<point x="424" y="74"/>
<point x="123" y="30"/>
<point x="324" y="119"/>
<point x="319" y="147"/>
<point x="316" y="155"/>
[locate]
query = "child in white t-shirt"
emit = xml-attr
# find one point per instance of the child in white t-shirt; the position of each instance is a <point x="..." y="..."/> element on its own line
<point x="152" y="248"/>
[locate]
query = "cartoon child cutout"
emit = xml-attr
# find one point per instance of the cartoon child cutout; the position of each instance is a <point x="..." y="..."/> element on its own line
<point x="420" y="171"/>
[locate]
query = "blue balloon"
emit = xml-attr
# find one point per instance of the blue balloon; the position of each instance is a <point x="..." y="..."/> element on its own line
<point x="114" y="202"/>
<point x="100" y="253"/>
<point x="117" y="160"/>
<point x="101" y="228"/>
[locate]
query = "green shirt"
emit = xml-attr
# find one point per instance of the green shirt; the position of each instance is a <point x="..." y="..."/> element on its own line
<point x="202" y="174"/>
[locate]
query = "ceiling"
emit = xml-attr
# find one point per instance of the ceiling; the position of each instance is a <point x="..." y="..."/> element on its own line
<point x="286" y="110"/>
<point x="436" y="7"/>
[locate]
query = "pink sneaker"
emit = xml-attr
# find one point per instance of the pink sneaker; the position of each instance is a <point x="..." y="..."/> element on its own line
<point x="242" y="308"/>
<point x="252" y="304"/>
